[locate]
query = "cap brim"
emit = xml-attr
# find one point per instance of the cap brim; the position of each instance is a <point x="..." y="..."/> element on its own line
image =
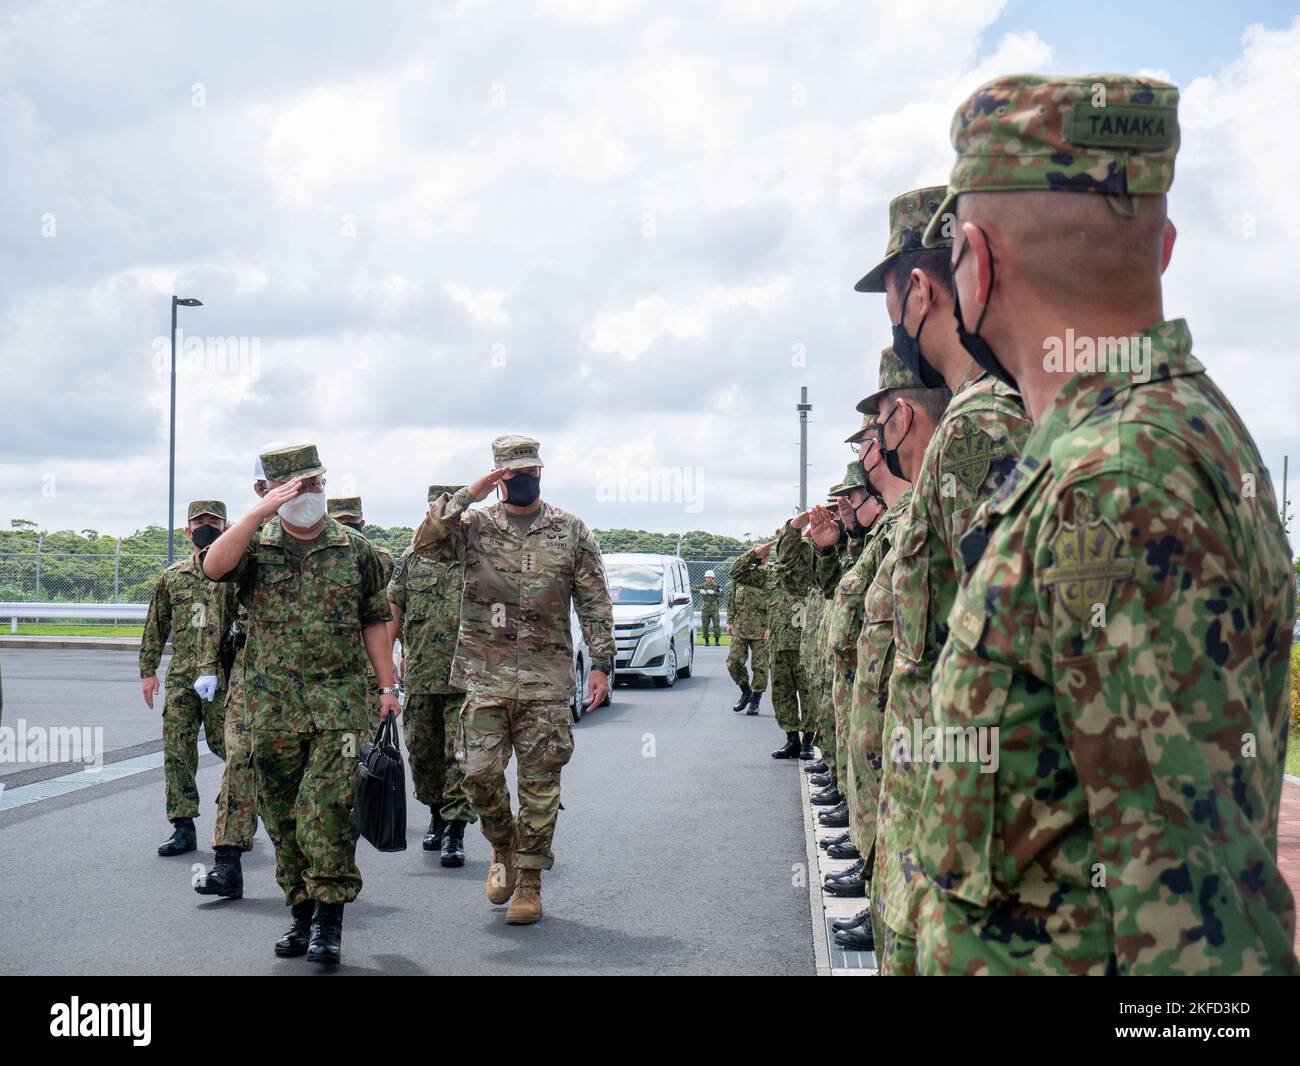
<point x="311" y="471"/>
<point x="338" y="516"/>
<point x="874" y="279"/>
<point x="870" y="405"/>
<point x="208" y="514"/>
<point x="933" y="235"/>
<point x="522" y="464"/>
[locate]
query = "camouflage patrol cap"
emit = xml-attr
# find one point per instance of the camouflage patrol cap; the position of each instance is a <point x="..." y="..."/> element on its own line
<point x="515" y="452"/>
<point x="1112" y="134"/>
<point x="868" y="420"/>
<point x="909" y="215"/>
<point x="853" y="479"/>
<point x="297" y="460"/>
<point x="893" y="375"/>
<point x="437" y="490"/>
<point x="215" y="508"/>
<point x="344" y="507"/>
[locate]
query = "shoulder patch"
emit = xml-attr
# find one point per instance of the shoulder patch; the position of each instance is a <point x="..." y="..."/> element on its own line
<point x="1087" y="560"/>
<point x="970" y="453"/>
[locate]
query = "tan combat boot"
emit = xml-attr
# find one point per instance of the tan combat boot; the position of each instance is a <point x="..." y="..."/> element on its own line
<point x="501" y="876"/>
<point x="526" y="907"/>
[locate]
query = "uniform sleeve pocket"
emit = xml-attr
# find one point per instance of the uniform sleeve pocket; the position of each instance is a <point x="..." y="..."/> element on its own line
<point x="912" y="585"/>
<point x="957" y="829"/>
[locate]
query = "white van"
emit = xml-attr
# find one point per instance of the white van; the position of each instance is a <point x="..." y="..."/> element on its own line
<point x="654" y="622"/>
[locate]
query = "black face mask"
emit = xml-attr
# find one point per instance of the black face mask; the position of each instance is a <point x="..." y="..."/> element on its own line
<point x="890" y="455"/>
<point x="204" y="536"/>
<point x="976" y="346"/>
<point x="522" y="489"/>
<point x="853" y="527"/>
<point x="908" y="348"/>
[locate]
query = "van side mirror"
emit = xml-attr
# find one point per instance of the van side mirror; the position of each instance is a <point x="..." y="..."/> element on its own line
<point x="681" y="598"/>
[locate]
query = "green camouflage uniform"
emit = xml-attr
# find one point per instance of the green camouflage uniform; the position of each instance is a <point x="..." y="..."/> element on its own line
<point x="186" y="605"/>
<point x="305" y="688"/>
<point x="428" y="589"/>
<point x="867" y="714"/>
<point x="514" y="656"/>
<point x="747" y="607"/>
<point x="1125" y="625"/>
<point x="346" y="510"/>
<point x="709" y="595"/>
<point x="785" y="625"/>
<point x="831" y="567"/>
<point x="236" y="821"/>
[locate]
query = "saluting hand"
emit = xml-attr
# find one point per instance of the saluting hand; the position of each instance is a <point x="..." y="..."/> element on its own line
<point x="823" y="531"/>
<point x="480" y="490"/>
<point x="269" y="504"/>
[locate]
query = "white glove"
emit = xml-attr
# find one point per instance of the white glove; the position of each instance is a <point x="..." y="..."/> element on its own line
<point x="206" y="687"/>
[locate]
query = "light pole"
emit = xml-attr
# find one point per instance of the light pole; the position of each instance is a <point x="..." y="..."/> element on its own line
<point x="171" y="452"/>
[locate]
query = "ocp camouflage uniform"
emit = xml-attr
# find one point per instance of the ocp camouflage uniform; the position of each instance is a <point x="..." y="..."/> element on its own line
<point x="305" y="690"/>
<point x="514" y="656"/>
<point x="747" y="608"/>
<point x="186" y="605"/>
<point x="427" y="589"/>
<point x="710" y="598"/>
<point x="785" y="625"/>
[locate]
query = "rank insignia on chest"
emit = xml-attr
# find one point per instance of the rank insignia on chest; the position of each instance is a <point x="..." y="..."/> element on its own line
<point x="529" y="563"/>
<point x="1087" y="561"/>
<point x="970" y="456"/>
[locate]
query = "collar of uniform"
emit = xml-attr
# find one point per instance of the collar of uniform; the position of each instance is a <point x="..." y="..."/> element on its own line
<point x="545" y="516"/>
<point x="273" y="535"/>
<point x="1086" y="393"/>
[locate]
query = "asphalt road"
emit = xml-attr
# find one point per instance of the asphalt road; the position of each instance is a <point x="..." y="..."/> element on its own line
<point x="677" y="853"/>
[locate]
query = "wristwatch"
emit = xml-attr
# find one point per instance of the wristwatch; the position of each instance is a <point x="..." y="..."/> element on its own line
<point x="606" y="668"/>
<point x="388" y="691"/>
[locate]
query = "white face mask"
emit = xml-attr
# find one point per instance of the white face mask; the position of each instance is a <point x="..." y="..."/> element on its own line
<point x="304" y="511"/>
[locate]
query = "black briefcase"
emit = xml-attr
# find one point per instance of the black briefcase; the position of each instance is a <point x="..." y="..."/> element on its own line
<point x="380" y="809"/>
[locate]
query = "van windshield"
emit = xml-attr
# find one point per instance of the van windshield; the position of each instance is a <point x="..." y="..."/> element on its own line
<point x="634" y="584"/>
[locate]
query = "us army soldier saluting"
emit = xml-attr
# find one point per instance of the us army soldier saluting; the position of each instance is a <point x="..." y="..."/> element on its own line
<point x="524" y="561"/>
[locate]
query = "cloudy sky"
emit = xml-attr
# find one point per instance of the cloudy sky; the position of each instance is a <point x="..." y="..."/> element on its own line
<point x="629" y="229"/>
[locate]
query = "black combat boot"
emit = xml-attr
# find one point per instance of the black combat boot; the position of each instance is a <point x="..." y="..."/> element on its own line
<point x="863" y="915"/>
<point x="790" y="750"/>
<point x="743" y="702"/>
<point x="433" y="835"/>
<point x="818" y="767"/>
<point x="226" y="878"/>
<point x="453" y="845"/>
<point x="294" y="941"/>
<point x="326" y="934"/>
<point x="753" y="703"/>
<point x="806" y="752"/>
<point x="845" y="850"/>
<point x="836" y="818"/>
<point x="857" y="938"/>
<point x="827" y="797"/>
<point x="183" y="838"/>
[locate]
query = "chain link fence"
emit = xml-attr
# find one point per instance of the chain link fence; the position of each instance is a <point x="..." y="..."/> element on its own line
<point x="78" y="577"/>
<point x="121" y="577"/>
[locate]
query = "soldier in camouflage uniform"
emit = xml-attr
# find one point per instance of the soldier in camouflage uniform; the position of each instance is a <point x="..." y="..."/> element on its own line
<point x="709" y="595"/>
<point x="317" y="612"/>
<point x="844" y="621"/>
<point x="425" y="594"/>
<point x="874" y="660"/>
<point x="235" y="825"/>
<point x="785" y="624"/>
<point x="525" y="561"/>
<point x="954" y="457"/>
<point x="747" y="625"/>
<point x="1125" y="618"/>
<point x="194" y="613"/>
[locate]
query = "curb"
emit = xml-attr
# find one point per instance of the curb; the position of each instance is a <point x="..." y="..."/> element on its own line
<point x="92" y="643"/>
